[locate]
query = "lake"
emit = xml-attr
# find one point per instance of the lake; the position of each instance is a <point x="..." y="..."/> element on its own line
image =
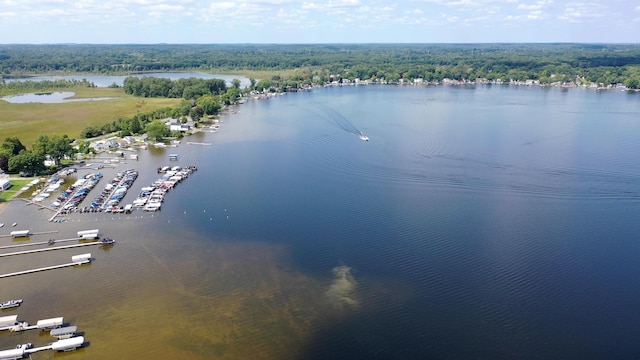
<point x="477" y="222"/>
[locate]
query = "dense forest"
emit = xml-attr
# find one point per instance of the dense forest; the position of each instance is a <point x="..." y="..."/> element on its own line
<point x="595" y="63"/>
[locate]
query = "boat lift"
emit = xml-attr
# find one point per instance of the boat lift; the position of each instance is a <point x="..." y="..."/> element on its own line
<point x="12" y="324"/>
<point x="64" y="332"/>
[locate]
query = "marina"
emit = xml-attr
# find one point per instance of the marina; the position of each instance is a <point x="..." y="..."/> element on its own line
<point x="65" y="335"/>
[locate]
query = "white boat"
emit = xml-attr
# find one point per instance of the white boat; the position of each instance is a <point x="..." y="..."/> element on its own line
<point x="1" y="225"/>
<point x="363" y="137"/>
<point x="10" y="304"/>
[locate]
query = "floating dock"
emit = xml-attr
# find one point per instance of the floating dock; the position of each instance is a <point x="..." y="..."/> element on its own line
<point x="48" y="242"/>
<point x="45" y="324"/>
<point x="84" y="260"/>
<point x="24" y="252"/>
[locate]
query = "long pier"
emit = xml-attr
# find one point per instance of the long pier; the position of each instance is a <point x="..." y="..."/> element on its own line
<point x="52" y="241"/>
<point x="44" y="268"/>
<point x="52" y="248"/>
<point x="30" y="202"/>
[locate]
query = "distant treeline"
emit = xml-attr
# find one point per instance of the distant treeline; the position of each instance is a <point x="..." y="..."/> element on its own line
<point x="598" y="63"/>
<point x="13" y="87"/>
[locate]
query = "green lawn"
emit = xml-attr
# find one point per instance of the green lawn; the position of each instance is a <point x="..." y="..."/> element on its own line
<point x="16" y="185"/>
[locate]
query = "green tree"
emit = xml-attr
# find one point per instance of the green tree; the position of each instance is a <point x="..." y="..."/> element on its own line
<point x="28" y="162"/>
<point x="263" y="84"/>
<point x="633" y="83"/>
<point x="157" y="130"/>
<point x="13" y="145"/>
<point x="209" y="104"/>
<point x="41" y="145"/>
<point x="84" y="147"/>
<point x="235" y="83"/>
<point x="60" y="148"/>
<point x="5" y="155"/>
<point x="196" y="113"/>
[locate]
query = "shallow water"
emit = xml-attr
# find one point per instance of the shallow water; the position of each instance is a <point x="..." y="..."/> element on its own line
<point x="57" y="97"/>
<point x="493" y="222"/>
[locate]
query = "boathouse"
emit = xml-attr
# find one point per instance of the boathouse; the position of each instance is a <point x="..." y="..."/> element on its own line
<point x="93" y="232"/>
<point x="20" y="233"/>
<point x="47" y="324"/>
<point x="82" y="258"/>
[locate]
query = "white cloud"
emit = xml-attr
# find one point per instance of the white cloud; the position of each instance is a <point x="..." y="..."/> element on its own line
<point x="579" y="11"/>
<point x="222" y="5"/>
<point x="165" y="7"/>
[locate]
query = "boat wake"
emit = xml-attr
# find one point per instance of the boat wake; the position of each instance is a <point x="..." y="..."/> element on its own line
<point x="341" y="122"/>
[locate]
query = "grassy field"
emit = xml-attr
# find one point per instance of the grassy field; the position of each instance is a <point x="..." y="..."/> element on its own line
<point x="28" y="121"/>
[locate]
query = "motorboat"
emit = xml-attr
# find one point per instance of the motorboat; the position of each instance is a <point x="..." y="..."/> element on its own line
<point x="363" y="137"/>
<point x="107" y="241"/>
<point x="10" y="304"/>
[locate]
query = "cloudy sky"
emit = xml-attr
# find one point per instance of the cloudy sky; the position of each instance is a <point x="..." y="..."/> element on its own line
<point x="318" y="21"/>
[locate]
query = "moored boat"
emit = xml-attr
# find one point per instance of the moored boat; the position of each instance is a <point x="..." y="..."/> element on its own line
<point x="10" y="304"/>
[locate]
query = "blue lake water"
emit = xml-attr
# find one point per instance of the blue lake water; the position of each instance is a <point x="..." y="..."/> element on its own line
<point x="477" y="222"/>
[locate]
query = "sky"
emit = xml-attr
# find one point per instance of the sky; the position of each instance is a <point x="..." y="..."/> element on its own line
<point x="318" y="21"/>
